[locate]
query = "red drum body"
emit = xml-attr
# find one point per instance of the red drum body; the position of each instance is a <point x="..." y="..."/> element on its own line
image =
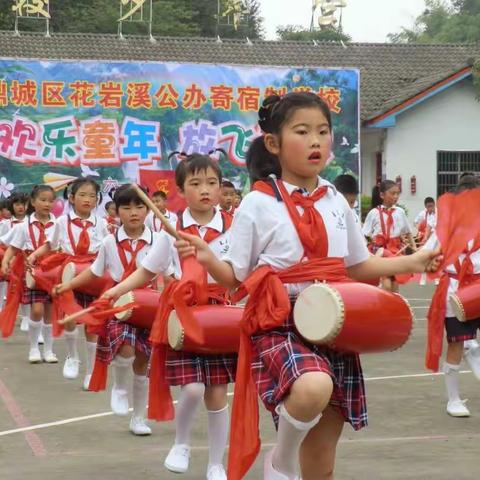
<point x="144" y="315"/>
<point x="94" y="288"/>
<point x="220" y="325"/>
<point x="50" y="276"/>
<point x="465" y="302"/>
<point x="353" y="317"/>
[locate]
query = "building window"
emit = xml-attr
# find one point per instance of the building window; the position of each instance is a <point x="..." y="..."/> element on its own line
<point x="450" y="165"/>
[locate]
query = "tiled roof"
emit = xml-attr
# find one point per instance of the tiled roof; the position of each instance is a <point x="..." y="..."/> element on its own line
<point x="390" y="73"/>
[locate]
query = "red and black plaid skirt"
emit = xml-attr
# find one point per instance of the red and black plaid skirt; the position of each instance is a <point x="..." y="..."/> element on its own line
<point x="34" y="296"/>
<point x="121" y="333"/>
<point x="83" y="299"/>
<point x="282" y="356"/>
<point x="183" y="368"/>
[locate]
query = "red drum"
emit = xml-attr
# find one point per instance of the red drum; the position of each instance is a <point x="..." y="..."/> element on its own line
<point x="144" y="315"/>
<point x="465" y="302"/>
<point x="220" y="325"/>
<point x="94" y="288"/>
<point x="353" y="317"/>
<point x="51" y="276"/>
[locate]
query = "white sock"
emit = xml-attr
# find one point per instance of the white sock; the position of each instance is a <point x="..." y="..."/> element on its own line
<point x="191" y="396"/>
<point x="71" y="339"/>
<point x="121" y="369"/>
<point x="467" y="344"/>
<point x="34" y="332"/>
<point x="25" y="311"/>
<point x="218" y="421"/>
<point x="291" y="433"/>
<point x="140" y="395"/>
<point x="47" y="337"/>
<point x="91" y="348"/>
<point x="451" y="380"/>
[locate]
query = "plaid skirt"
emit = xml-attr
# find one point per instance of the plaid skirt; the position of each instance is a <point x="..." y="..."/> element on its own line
<point x="30" y="297"/>
<point x="183" y="368"/>
<point x="282" y="356"/>
<point x="121" y="333"/>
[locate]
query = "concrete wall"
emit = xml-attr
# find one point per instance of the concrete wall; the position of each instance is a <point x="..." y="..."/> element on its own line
<point x="449" y="120"/>
<point x="371" y="143"/>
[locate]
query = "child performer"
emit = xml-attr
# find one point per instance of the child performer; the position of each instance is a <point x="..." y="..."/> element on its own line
<point x="238" y="199"/>
<point x="159" y="198"/>
<point x="227" y="197"/>
<point x="347" y="185"/>
<point x="125" y="345"/>
<point x="198" y="178"/>
<point x="112" y="217"/>
<point x="17" y="209"/>
<point x="464" y="270"/>
<point x="27" y="237"/>
<point x="79" y="233"/>
<point x="425" y="220"/>
<point x="386" y="225"/>
<point x="313" y="389"/>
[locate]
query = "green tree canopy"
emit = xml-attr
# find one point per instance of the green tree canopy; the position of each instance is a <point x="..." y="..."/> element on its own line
<point x="454" y="21"/>
<point x="170" y="18"/>
<point x="296" y="32"/>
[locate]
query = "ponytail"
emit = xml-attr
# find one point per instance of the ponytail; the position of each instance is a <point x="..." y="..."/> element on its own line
<point x="260" y="162"/>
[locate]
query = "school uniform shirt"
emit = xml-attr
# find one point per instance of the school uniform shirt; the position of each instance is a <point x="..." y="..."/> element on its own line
<point x="59" y="238"/>
<point x="373" y="227"/>
<point x="262" y="233"/>
<point x="23" y="232"/>
<point x="431" y="218"/>
<point x="109" y="259"/>
<point x="219" y="246"/>
<point x="431" y="244"/>
<point x="154" y="224"/>
<point x="6" y="230"/>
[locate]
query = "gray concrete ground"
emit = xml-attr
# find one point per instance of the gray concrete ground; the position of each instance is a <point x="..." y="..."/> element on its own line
<point x="409" y="437"/>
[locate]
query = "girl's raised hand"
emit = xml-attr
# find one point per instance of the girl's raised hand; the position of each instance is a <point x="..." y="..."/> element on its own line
<point x="426" y="260"/>
<point x="60" y="288"/>
<point x="193" y="245"/>
<point x="111" y="294"/>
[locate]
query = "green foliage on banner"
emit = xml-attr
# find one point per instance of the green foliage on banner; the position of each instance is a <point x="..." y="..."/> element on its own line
<point x="176" y="18"/>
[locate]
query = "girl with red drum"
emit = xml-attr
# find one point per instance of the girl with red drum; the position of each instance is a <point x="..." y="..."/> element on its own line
<point x="293" y="229"/>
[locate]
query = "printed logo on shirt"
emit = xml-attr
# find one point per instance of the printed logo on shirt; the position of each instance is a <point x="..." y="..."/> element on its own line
<point x="339" y="216"/>
<point x="224" y="247"/>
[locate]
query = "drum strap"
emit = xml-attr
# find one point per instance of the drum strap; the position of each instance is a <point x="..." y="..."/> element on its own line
<point x="41" y="229"/>
<point x="83" y="245"/>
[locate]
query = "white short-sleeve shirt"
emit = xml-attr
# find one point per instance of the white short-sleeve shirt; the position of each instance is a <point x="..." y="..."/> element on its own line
<point x="373" y="226"/>
<point x="262" y="233"/>
<point x="154" y="224"/>
<point x="431" y="244"/>
<point x="59" y="238"/>
<point x="6" y="229"/>
<point x="21" y="237"/>
<point x="431" y="218"/>
<point x="109" y="260"/>
<point x="219" y="245"/>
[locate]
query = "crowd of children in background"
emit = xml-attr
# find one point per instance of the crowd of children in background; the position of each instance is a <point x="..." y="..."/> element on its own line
<point x="230" y="238"/>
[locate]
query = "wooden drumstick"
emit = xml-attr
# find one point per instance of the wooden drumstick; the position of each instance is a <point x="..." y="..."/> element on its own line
<point x="74" y="316"/>
<point x="166" y="224"/>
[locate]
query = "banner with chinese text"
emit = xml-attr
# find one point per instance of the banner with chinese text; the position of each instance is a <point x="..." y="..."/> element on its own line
<point x="114" y="120"/>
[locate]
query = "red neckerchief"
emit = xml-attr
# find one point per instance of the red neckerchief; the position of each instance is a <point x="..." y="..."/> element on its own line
<point x="41" y="229"/>
<point x="83" y="245"/>
<point x="211" y="234"/>
<point x="126" y="246"/>
<point x="310" y="225"/>
<point x="386" y="231"/>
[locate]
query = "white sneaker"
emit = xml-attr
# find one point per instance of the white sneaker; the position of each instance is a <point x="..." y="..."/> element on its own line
<point x="138" y="426"/>
<point x="472" y="357"/>
<point x="216" y="472"/>
<point x="269" y="473"/>
<point x="41" y="341"/>
<point x="34" y="356"/>
<point x="178" y="459"/>
<point x="49" y="357"/>
<point x="119" y="401"/>
<point x="86" y="382"/>
<point x="71" y="368"/>
<point x="24" y="324"/>
<point x="457" y="408"/>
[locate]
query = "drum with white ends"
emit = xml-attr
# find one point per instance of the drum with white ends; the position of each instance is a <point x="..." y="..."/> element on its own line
<point x="143" y="316"/>
<point x="95" y="287"/>
<point x="353" y="317"/>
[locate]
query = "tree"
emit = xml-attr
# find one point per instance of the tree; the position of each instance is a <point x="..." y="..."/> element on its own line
<point x="296" y="32"/>
<point x="457" y="21"/>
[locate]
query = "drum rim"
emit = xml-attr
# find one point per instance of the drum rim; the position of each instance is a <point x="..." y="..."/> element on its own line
<point x="412" y="313"/>
<point x="171" y="318"/>
<point x="126" y="314"/>
<point x="70" y="265"/>
<point x="29" y="276"/>
<point x="455" y="302"/>
<point x="329" y="340"/>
